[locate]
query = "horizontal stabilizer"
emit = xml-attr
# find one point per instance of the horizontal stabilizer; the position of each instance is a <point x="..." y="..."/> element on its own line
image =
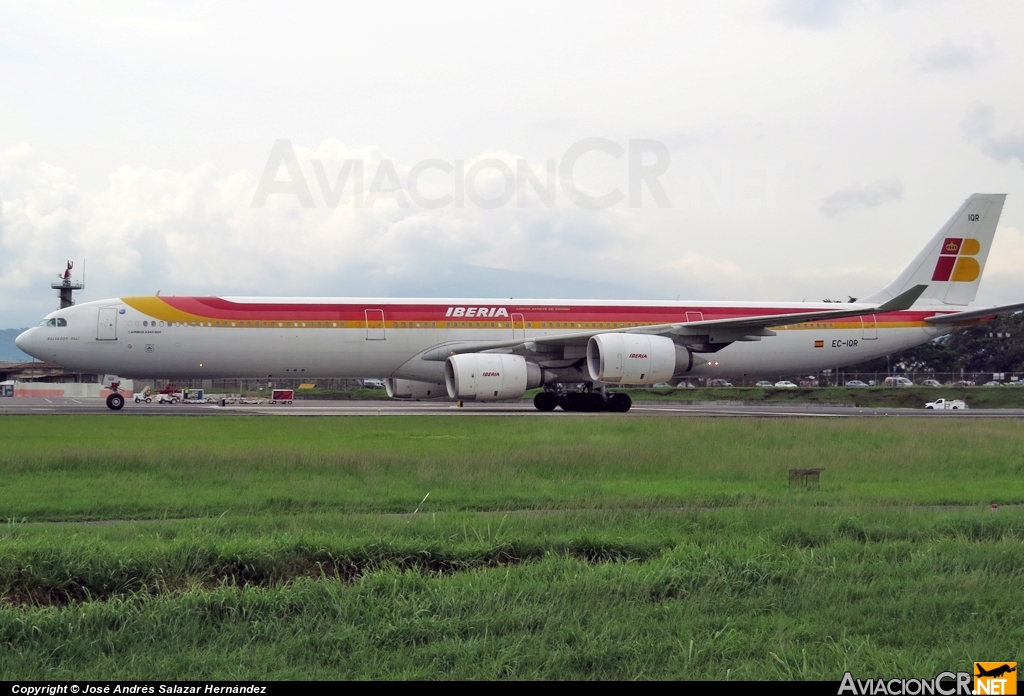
<point x="969" y="315"/>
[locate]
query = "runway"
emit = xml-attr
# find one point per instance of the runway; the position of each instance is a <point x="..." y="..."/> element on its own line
<point x="95" y="406"/>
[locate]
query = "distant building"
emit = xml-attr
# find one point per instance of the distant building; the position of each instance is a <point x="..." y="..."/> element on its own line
<point x="42" y="372"/>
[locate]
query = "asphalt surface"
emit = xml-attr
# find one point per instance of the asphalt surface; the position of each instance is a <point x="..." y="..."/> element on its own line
<point x="52" y="406"/>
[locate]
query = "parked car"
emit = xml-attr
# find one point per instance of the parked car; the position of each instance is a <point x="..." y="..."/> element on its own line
<point x="898" y="382"/>
<point x="856" y="383"/>
<point x="785" y="384"/>
<point x="685" y="385"/>
<point x="763" y="383"/>
<point x="720" y="383"/>
<point x="992" y="383"/>
<point x="931" y="383"/>
<point x="963" y="383"/>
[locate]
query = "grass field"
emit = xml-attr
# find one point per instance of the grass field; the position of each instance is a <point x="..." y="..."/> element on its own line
<point x="868" y="397"/>
<point x="582" y="547"/>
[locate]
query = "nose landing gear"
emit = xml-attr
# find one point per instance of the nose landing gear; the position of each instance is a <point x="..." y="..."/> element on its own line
<point x="115" y="402"/>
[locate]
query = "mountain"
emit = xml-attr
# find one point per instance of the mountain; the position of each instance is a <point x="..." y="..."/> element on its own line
<point x="8" y="351"/>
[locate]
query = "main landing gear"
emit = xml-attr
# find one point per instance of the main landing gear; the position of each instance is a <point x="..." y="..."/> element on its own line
<point x="115" y="402"/>
<point x="584" y="402"/>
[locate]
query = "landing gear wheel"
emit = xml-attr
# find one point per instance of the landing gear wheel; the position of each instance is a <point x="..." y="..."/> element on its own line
<point x="115" y="402"/>
<point x="594" y="403"/>
<point x="619" y="403"/>
<point x="545" y="401"/>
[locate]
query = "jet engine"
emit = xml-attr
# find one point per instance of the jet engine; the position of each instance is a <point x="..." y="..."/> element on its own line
<point x="489" y="376"/>
<point x="635" y="358"/>
<point x="412" y="389"/>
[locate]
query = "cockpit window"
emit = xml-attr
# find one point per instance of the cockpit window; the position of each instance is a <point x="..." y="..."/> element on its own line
<point x="62" y="322"/>
<point x="53" y="322"/>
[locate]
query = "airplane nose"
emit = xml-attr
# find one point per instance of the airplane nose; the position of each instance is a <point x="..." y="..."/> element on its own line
<point x="23" y="341"/>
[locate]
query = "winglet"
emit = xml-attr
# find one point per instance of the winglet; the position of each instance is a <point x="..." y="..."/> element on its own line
<point x="903" y="301"/>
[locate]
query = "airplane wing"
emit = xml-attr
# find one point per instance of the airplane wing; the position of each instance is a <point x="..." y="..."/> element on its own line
<point x="710" y="335"/>
<point x="970" y="314"/>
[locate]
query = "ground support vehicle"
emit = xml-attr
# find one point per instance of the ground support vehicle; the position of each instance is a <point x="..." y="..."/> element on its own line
<point x="282" y="396"/>
<point x="946" y="405"/>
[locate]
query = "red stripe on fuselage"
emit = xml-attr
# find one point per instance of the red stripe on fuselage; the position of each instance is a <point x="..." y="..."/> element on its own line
<point x="219" y="308"/>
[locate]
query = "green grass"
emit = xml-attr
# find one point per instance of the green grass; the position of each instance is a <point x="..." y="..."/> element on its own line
<point x="60" y="468"/>
<point x="335" y="394"/>
<point x="879" y="397"/>
<point x="567" y="547"/>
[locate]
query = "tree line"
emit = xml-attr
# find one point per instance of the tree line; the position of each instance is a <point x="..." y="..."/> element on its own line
<point x="994" y="346"/>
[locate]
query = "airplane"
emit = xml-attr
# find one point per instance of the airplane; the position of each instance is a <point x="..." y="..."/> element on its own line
<point x="495" y="349"/>
<point x="995" y="671"/>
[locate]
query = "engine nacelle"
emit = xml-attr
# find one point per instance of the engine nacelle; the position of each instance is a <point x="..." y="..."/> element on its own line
<point x="412" y="389"/>
<point x="489" y="376"/>
<point x="622" y="358"/>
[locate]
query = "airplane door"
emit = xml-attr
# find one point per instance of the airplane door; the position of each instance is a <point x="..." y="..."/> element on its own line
<point x="518" y="326"/>
<point x="869" y="327"/>
<point x="694" y="316"/>
<point x="375" y="325"/>
<point x="106" y="326"/>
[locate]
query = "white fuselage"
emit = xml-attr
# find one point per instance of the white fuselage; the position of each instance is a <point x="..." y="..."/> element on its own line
<point x="364" y="338"/>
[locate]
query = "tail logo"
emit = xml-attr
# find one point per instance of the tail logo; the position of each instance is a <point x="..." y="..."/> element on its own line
<point x="957" y="262"/>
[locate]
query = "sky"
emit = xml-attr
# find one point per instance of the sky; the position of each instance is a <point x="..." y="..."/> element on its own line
<point x="771" y="150"/>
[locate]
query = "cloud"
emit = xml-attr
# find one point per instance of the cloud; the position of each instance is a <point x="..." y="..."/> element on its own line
<point x="948" y="56"/>
<point x="194" y="232"/>
<point x="978" y="127"/>
<point x="870" y="196"/>
<point x="811" y="14"/>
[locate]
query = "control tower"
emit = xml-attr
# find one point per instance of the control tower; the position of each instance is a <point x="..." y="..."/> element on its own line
<point x="65" y="286"/>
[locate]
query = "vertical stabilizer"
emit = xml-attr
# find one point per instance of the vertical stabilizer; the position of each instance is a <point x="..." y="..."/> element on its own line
<point x="953" y="261"/>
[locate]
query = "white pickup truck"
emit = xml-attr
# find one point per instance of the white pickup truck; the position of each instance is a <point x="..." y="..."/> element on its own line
<point x="946" y="405"/>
